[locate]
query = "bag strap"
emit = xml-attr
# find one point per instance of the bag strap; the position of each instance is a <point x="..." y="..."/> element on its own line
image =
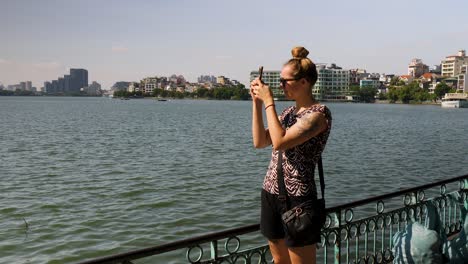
<point x="283" y="193"/>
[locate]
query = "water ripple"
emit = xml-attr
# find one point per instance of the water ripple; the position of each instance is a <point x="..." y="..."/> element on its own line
<point x="88" y="177"/>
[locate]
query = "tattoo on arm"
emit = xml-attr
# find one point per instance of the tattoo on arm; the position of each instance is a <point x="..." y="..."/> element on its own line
<point x="308" y="125"/>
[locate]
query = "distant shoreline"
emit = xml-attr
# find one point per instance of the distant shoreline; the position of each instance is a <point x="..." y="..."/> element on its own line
<point x="213" y="99"/>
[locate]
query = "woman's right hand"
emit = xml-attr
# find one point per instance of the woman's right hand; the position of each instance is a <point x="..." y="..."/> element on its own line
<point x="255" y="99"/>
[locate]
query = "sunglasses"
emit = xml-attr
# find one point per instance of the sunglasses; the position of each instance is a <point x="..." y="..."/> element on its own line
<point x="284" y="81"/>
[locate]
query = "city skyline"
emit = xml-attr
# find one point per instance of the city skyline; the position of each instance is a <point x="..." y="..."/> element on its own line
<point x="128" y="41"/>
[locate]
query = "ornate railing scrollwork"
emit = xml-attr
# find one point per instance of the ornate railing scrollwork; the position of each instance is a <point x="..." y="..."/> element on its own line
<point x="356" y="232"/>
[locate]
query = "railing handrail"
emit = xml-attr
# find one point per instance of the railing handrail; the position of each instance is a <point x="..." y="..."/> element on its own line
<point x="184" y="243"/>
<point x="149" y="251"/>
<point x="395" y="194"/>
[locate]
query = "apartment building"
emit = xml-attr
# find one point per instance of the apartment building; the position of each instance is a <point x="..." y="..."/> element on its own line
<point x="332" y="83"/>
<point x="451" y="66"/>
<point x="462" y="84"/>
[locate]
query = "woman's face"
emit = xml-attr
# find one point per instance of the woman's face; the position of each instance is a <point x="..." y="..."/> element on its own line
<point x="290" y="86"/>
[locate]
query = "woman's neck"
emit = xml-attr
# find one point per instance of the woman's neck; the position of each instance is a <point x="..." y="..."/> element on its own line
<point x="304" y="102"/>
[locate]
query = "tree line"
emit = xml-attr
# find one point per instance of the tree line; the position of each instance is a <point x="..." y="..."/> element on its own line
<point x="412" y="92"/>
<point x="222" y="93"/>
<point x="16" y="93"/>
<point x="401" y="92"/>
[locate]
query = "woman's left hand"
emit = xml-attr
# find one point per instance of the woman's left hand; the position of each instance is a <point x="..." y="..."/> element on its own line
<point x="261" y="91"/>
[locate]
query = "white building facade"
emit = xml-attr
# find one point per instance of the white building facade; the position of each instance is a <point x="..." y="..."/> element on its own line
<point x="451" y="66"/>
<point x="462" y="84"/>
<point x="332" y="83"/>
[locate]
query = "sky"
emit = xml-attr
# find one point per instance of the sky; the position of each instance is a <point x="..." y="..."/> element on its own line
<point x="40" y="40"/>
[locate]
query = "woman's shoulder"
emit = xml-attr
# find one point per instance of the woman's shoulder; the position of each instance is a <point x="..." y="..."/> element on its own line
<point x="287" y="110"/>
<point x="321" y="108"/>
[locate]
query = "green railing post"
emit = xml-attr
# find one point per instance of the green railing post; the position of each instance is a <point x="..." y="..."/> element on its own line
<point x="338" y="238"/>
<point x="214" y="249"/>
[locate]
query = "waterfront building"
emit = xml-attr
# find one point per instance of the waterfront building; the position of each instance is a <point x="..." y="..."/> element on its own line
<point x="47" y="87"/>
<point x="14" y="87"/>
<point x="462" y="85"/>
<point x="427" y="77"/>
<point x="55" y="86"/>
<point x="28" y="86"/>
<point x="451" y="66"/>
<point x="93" y="89"/>
<point x="222" y="80"/>
<point x="417" y="68"/>
<point x="355" y="76"/>
<point x="406" y="78"/>
<point x="332" y="83"/>
<point x="120" y="86"/>
<point x="70" y="83"/>
<point x="372" y="83"/>
<point x="426" y="80"/>
<point x="149" y="84"/>
<point x="133" y="87"/>
<point x="386" y="78"/>
<point x="66" y="81"/>
<point x="271" y="78"/>
<point x="61" y="85"/>
<point x="22" y="86"/>
<point x="79" y="79"/>
<point x="191" y="87"/>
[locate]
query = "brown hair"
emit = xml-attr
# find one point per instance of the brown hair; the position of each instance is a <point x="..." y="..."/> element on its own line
<point x="302" y="66"/>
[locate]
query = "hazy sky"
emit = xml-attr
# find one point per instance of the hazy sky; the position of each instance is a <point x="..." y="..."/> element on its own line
<point x="129" y="40"/>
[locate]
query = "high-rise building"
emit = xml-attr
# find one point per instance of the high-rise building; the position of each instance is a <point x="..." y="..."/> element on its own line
<point x="61" y="85"/>
<point x="23" y="86"/>
<point x="79" y="79"/>
<point x="47" y="87"/>
<point x="66" y="86"/>
<point x="451" y="66"/>
<point x="207" y="79"/>
<point x="28" y="86"/>
<point x="55" y="86"/>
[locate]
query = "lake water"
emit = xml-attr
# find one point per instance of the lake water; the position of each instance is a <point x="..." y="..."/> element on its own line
<point x="89" y="177"/>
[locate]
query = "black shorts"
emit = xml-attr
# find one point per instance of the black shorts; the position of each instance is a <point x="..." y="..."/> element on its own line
<point x="271" y="224"/>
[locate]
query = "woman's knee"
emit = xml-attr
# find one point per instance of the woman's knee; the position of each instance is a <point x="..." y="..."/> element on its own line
<point x="279" y="251"/>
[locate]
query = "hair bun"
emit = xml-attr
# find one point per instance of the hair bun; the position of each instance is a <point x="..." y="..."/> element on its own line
<point x="299" y="53"/>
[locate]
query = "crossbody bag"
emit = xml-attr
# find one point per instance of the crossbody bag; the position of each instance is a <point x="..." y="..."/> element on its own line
<point x="307" y="216"/>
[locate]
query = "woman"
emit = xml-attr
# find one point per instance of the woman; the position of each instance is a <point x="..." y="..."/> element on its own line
<point x="301" y="141"/>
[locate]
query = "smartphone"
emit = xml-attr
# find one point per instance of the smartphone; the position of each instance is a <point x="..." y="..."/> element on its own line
<point x="260" y="71"/>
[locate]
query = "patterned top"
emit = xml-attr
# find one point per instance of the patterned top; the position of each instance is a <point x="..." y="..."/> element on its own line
<point x="299" y="161"/>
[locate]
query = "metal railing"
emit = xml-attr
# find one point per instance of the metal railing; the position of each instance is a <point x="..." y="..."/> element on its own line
<point x="355" y="232"/>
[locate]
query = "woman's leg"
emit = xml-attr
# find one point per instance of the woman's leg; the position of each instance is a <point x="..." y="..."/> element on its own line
<point x="303" y="255"/>
<point x="279" y="251"/>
